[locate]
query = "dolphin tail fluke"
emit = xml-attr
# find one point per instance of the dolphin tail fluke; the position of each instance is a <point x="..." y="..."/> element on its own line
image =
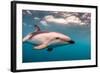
<point x="49" y="49"/>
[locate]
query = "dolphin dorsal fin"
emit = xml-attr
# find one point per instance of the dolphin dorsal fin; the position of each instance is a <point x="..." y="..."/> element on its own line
<point x="37" y="28"/>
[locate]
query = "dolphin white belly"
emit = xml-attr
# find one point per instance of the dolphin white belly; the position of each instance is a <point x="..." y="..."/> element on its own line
<point x="51" y="45"/>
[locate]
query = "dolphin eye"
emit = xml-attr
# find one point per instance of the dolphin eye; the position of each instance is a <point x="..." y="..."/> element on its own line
<point x="57" y="37"/>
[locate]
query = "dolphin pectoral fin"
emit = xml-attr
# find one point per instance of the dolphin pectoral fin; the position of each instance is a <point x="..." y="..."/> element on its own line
<point x="40" y="46"/>
<point x="49" y="49"/>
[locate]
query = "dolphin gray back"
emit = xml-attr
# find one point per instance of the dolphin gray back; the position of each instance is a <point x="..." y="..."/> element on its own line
<point x="36" y="33"/>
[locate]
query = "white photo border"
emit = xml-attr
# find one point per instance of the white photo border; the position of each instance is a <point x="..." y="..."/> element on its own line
<point x="58" y="64"/>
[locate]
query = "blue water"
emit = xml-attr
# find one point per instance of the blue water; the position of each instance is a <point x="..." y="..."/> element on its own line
<point x="81" y="50"/>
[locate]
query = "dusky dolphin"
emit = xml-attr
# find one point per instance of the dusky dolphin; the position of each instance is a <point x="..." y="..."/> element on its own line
<point x="50" y="40"/>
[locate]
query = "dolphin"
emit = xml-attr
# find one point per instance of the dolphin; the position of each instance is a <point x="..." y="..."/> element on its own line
<point x="44" y="39"/>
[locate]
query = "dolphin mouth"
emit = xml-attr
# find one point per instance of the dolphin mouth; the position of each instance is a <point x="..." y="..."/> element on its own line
<point x="71" y="42"/>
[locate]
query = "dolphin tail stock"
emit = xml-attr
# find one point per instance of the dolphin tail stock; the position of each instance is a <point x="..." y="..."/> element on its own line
<point x="26" y="37"/>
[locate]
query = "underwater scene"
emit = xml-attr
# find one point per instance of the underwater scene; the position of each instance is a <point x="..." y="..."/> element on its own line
<point x="55" y="36"/>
